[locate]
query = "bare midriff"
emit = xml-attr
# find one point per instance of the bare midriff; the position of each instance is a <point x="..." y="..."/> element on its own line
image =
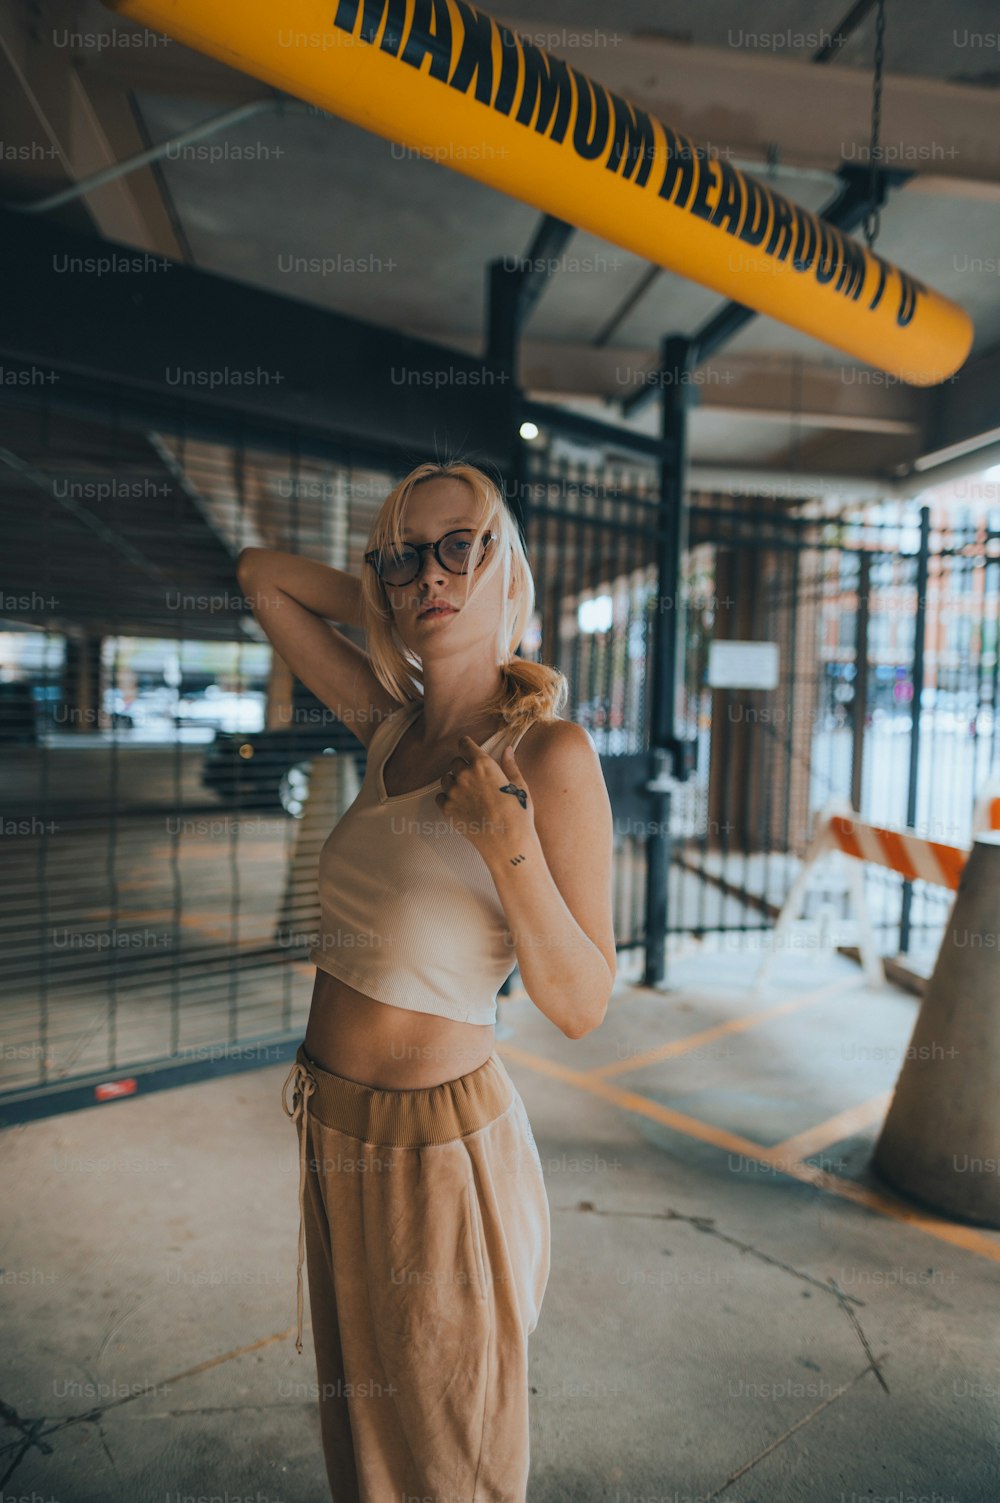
<point x="357" y="1036"/>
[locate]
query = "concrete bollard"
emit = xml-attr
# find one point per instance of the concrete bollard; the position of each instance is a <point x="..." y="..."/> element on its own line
<point x="940" y="1142"/>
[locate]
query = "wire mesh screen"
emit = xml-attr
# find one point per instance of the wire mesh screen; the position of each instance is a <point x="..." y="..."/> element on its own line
<point x="159" y="887"/>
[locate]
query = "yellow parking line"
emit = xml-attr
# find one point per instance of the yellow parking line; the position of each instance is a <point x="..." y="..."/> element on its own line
<point x="964" y="1237"/>
<point x="833" y="1129"/>
<point x="720" y="1030"/>
<point x="691" y="1126"/>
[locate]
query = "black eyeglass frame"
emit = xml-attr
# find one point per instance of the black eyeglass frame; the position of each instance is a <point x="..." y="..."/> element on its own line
<point x="419" y="548"/>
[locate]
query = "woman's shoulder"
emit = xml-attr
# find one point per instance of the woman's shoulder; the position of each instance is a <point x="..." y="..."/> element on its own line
<point x="557" y="756"/>
<point x="551" y="741"/>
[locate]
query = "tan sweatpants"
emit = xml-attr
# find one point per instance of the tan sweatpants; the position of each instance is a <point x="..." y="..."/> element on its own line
<point x="424" y="1221"/>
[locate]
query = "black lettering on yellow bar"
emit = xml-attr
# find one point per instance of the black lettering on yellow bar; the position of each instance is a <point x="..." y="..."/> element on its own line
<point x="692" y="179"/>
<point x="392" y="34"/>
<point x="910" y="289"/>
<point x="805" y="242"/>
<point x="371" y="17"/>
<point x="853" y="269"/>
<point x="729" y="209"/>
<point x="590" y="129"/>
<point x="754" y="226"/>
<point x="430" y="36"/>
<point x="826" y="256"/>
<point x="881" y="281"/>
<point x="708" y="179"/>
<point x="547" y="83"/>
<point x="631" y="140"/>
<point x="475" y="54"/>
<point x="678" y="169"/>
<point x="510" y="68"/>
<point x="782" y="228"/>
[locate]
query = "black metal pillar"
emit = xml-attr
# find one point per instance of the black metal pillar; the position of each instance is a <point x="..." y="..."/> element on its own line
<point x="859" y="701"/>
<point x="919" y="635"/>
<point x="668" y="753"/>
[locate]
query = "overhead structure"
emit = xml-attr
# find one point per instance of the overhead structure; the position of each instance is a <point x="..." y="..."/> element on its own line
<point x="450" y="82"/>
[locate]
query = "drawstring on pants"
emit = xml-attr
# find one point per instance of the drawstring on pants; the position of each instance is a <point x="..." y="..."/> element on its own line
<point x="303" y="1086"/>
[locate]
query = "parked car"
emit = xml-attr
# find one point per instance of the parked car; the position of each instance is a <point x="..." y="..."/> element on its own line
<point x="269" y="769"/>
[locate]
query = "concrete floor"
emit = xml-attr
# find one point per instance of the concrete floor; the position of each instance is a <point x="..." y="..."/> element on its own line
<point x="710" y="1325"/>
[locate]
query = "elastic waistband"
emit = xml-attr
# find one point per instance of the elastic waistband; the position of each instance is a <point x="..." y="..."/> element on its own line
<point x="409" y="1118"/>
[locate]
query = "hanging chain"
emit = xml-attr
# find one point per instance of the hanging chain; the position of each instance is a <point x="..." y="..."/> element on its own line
<point x="874" y="150"/>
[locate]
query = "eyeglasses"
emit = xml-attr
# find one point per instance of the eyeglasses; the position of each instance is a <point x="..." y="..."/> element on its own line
<point x="401" y="565"/>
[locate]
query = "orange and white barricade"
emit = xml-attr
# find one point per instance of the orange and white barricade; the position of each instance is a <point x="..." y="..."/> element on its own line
<point x="840" y="828"/>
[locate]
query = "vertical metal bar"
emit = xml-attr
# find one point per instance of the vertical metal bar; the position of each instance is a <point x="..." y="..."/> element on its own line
<point x="977" y="614"/>
<point x="117" y="443"/>
<point x="178" y="781"/>
<point x="668" y="636"/>
<point x="633" y="708"/>
<point x="236" y="825"/>
<point x="580" y="578"/>
<point x="45" y="759"/>
<point x="991" y="570"/>
<point x="919" y="629"/>
<point x="339" y="499"/>
<point x="700" y="678"/>
<point x="754" y="758"/>
<point x="503" y="315"/>
<point x="859" y="702"/>
<point x="793" y="630"/>
<point x="615" y="509"/>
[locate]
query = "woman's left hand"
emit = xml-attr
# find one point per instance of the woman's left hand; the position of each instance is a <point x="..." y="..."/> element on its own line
<point x="489" y="802"/>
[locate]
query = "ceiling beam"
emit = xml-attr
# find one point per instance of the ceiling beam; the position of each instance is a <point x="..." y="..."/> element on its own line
<point x="191" y="340"/>
<point x="744" y="104"/>
<point x="76" y="132"/>
<point x="773" y="388"/>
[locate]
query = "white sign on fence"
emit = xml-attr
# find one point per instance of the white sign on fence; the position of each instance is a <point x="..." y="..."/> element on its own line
<point x="743" y="665"/>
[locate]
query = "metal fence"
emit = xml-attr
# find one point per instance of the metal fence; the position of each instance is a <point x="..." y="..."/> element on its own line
<point x="861" y="607"/>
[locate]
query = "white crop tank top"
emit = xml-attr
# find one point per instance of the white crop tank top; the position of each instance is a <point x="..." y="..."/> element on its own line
<point x="409" y="912"/>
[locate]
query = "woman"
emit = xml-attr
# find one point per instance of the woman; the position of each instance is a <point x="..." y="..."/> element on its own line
<point x="424" y="1216"/>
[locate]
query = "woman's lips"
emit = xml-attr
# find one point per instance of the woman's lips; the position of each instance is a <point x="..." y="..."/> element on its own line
<point x="438" y="610"/>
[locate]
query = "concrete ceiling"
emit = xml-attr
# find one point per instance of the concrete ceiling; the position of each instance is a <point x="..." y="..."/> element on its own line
<point x="409" y="240"/>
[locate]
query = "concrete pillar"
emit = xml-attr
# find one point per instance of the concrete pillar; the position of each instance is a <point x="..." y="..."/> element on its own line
<point x="940" y="1143"/>
<point x="82" y="687"/>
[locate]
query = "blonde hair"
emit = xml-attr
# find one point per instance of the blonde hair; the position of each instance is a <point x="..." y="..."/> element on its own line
<point x="529" y="691"/>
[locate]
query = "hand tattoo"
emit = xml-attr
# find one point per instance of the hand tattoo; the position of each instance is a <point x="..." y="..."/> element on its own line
<point x="518" y="793"/>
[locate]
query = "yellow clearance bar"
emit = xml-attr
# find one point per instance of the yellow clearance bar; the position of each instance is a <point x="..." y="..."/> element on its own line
<point x="458" y="87"/>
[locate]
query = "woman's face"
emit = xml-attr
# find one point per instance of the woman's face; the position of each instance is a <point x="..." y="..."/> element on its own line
<point x="434" y="508"/>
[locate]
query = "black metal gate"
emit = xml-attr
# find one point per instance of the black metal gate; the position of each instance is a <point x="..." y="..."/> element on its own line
<point x="858" y="607"/>
<point x="885" y="623"/>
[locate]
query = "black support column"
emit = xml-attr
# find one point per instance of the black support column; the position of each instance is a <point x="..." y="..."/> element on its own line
<point x="668" y="753"/>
